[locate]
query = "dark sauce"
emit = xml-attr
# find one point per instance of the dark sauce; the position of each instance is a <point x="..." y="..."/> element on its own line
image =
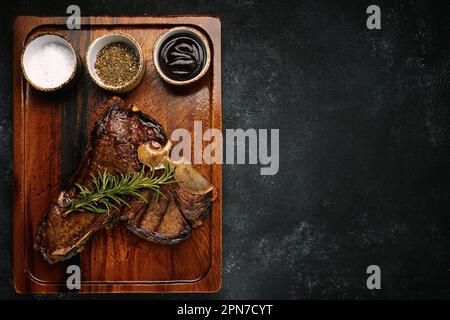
<point x="182" y="56"/>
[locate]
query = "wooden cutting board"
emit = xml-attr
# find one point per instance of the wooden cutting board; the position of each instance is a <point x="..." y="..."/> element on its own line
<point x="50" y="132"/>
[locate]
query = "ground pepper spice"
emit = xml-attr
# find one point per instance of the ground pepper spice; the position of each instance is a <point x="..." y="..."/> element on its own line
<point x="116" y="64"/>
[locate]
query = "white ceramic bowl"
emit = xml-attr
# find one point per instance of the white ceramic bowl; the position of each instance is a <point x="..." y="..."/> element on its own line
<point x="181" y="30"/>
<point x="98" y="44"/>
<point x="36" y="43"/>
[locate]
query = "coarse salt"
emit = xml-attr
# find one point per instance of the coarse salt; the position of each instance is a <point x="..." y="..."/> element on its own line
<point x="51" y="65"/>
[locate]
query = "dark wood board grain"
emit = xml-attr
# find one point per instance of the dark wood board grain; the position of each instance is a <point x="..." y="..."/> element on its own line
<point x="50" y="131"/>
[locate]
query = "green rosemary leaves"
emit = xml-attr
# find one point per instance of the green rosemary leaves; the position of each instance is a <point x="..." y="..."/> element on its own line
<point x="108" y="192"/>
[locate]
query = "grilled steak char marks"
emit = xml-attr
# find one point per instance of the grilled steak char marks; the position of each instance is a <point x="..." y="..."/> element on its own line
<point x="113" y="147"/>
<point x="161" y="221"/>
<point x="195" y="208"/>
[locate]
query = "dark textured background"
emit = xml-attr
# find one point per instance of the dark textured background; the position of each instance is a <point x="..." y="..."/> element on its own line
<point x="364" y="123"/>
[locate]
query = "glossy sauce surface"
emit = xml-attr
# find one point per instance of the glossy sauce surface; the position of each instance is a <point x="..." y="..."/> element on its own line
<point x="182" y="57"/>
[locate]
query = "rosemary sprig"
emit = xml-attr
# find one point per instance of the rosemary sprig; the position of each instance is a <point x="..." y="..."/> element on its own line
<point x="107" y="192"/>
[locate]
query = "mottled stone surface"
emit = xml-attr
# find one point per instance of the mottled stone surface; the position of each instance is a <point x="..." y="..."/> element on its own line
<point x="364" y="119"/>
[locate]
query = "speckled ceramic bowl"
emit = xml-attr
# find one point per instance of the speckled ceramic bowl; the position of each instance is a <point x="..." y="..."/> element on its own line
<point x="37" y="42"/>
<point x="98" y="44"/>
<point x="181" y="30"/>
